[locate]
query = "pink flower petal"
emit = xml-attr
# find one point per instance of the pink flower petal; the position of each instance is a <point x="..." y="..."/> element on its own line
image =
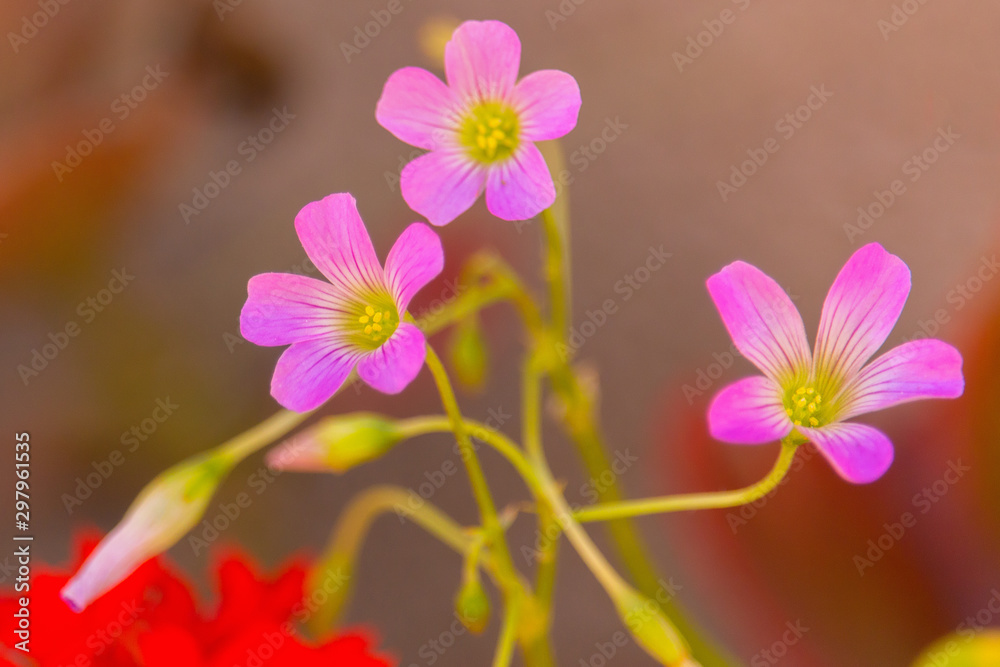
<point x="548" y="104"/>
<point x="860" y="310"/>
<point x="310" y="372"/>
<point x="749" y="412"/>
<point x="859" y="453"/>
<point x="520" y="187"/>
<point x="415" y="259"/>
<point x="915" y="370"/>
<point x="763" y="322"/>
<point x="416" y="106"/>
<point x="393" y="366"/>
<point x="335" y="239"/>
<point x="482" y="60"/>
<point x="442" y="185"/>
<point x="283" y="308"/>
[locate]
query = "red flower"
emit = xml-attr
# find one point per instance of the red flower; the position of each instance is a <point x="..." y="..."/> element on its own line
<point x="153" y="620"/>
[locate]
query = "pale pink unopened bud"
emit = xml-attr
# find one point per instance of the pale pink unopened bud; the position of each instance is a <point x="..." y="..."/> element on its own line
<point x="166" y="509"/>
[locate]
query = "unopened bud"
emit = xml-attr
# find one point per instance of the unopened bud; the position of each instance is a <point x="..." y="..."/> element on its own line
<point x="337" y="444"/>
<point x="166" y="509"/>
<point x="473" y="606"/>
<point x="469" y="353"/>
<point x="651" y="629"/>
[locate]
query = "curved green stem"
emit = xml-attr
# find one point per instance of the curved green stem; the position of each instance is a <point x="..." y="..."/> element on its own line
<point x="694" y="501"/>
<point x="349" y="534"/>
<point x="415" y="426"/>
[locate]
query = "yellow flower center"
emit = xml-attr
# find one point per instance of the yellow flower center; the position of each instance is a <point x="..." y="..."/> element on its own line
<point x="805" y="407"/>
<point x="490" y="132"/>
<point x="374" y="323"/>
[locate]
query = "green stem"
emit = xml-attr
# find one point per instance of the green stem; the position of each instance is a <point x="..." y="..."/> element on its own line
<point x="508" y="633"/>
<point x="556" y="270"/>
<point x="480" y="489"/>
<point x="348" y="537"/>
<point x="415" y="426"/>
<point x="694" y="501"/>
<point x="582" y="425"/>
<point x="261" y="435"/>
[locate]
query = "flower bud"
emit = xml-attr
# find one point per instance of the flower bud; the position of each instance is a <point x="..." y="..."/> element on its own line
<point x="473" y="606"/>
<point x="469" y="354"/>
<point x="651" y="628"/>
<point x="166" y="509"/>
<point x="337" y="444"/>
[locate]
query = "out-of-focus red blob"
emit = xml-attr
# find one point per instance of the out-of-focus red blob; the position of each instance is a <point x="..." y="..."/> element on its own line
<point x="152" y="619"/>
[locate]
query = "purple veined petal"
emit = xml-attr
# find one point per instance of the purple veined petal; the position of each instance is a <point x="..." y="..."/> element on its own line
<point x="283" y="308"/>
<point x="482" y="59"/>
<point x="335" y="239"/>
<point x="521" y="187"/>
<point x="416" y="258"/>
<point x="547" y="103"/>
<point x="859" y="453"/>
<point x="919" y="369"/>
<point x="860" y="310"/>
<point x="310" y="372"/>
<point x="762" y="321"/>
<point x="442" y="185"/>
<point x="393" y="366"/>
<point x="749" y="412"/>
<point x="416" y="106"/>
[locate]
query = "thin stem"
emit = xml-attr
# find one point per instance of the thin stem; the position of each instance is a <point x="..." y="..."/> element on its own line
<point x="548" y="524"/>
<point x="508" y="633"/>
<point x="261" y="435"/>
<point x="556" y="274"/>
<point x="375" y="501"/>
<point x="694" y="501"/>
<point x="415" y="426"/>
<point x="352" y="527"/>
<point x="480" y="488"/>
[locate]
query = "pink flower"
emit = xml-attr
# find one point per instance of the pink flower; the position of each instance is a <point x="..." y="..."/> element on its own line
<point x="355" y="320"/>
<point x="813" y="393"/>
<point x="480" y="128"/>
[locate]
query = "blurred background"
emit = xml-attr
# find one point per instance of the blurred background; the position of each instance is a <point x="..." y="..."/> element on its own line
<point x="784" y="134"/>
